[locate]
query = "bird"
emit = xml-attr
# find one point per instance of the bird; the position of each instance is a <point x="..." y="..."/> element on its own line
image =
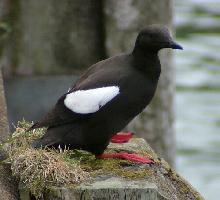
<point x="107" y="96"/>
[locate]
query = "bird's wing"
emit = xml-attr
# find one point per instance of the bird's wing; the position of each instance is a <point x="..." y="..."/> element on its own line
<point x="90" y="93"/>
<point x="91" y="100"/>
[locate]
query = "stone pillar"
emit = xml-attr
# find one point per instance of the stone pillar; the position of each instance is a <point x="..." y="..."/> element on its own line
<point x="140" y="181"/>
<point x="53" y="36"/>
<point x="8" y="186"/>
<point x="124" y="19"/>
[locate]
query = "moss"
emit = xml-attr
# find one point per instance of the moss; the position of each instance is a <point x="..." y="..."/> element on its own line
<point x="116" y="167"/>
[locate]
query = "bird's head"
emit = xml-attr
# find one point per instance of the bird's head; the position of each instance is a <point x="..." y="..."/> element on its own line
<point x="155" y="37"/>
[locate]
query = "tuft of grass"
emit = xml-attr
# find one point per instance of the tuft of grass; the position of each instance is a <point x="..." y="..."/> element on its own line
<point x="38" y="169"/>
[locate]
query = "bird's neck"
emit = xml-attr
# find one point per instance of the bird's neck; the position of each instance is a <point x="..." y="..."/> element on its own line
<point x="146" y="61"/>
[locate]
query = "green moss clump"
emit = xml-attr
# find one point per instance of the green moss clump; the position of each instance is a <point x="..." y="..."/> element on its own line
<point x="116" y="167"/>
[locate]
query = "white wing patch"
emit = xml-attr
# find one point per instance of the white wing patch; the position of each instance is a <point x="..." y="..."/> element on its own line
<point x="90" y="101"/>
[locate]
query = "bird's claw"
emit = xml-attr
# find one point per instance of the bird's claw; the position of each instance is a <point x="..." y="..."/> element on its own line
<point x="127" y="156"/>
<point x="122" y="137"/>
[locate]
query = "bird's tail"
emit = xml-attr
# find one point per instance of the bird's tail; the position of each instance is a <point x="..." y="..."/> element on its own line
<point x="44" y="142"/>
<point x="36" y="125"/>
<point x="49" y="139"/>
<point x="54" y="137"/>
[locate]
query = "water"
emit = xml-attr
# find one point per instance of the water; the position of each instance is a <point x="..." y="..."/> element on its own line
<point x="198" y="94"/>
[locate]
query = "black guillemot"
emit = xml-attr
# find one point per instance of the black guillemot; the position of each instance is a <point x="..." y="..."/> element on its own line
<point x="107" y="97"/>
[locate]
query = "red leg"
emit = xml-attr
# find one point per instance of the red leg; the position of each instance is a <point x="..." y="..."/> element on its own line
<point x="127" y="156"/>
<point x="122" y="137"/>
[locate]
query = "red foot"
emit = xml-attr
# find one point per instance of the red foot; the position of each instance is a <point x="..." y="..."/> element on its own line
<point x="122" y="137"/>
<point x="127" y="156"/>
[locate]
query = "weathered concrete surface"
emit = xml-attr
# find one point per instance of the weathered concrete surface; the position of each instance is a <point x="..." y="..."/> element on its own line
<point x="160" y="182"/>
<point x="110" y="188"/>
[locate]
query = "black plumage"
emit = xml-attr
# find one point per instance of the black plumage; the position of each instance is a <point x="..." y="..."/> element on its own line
<point x="135" y="74"/>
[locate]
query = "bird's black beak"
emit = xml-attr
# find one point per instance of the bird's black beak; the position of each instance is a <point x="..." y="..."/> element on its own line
<point x="174" y="45"/>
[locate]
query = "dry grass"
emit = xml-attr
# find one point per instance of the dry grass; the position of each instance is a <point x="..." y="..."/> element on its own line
<point x="38" y="169"/>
